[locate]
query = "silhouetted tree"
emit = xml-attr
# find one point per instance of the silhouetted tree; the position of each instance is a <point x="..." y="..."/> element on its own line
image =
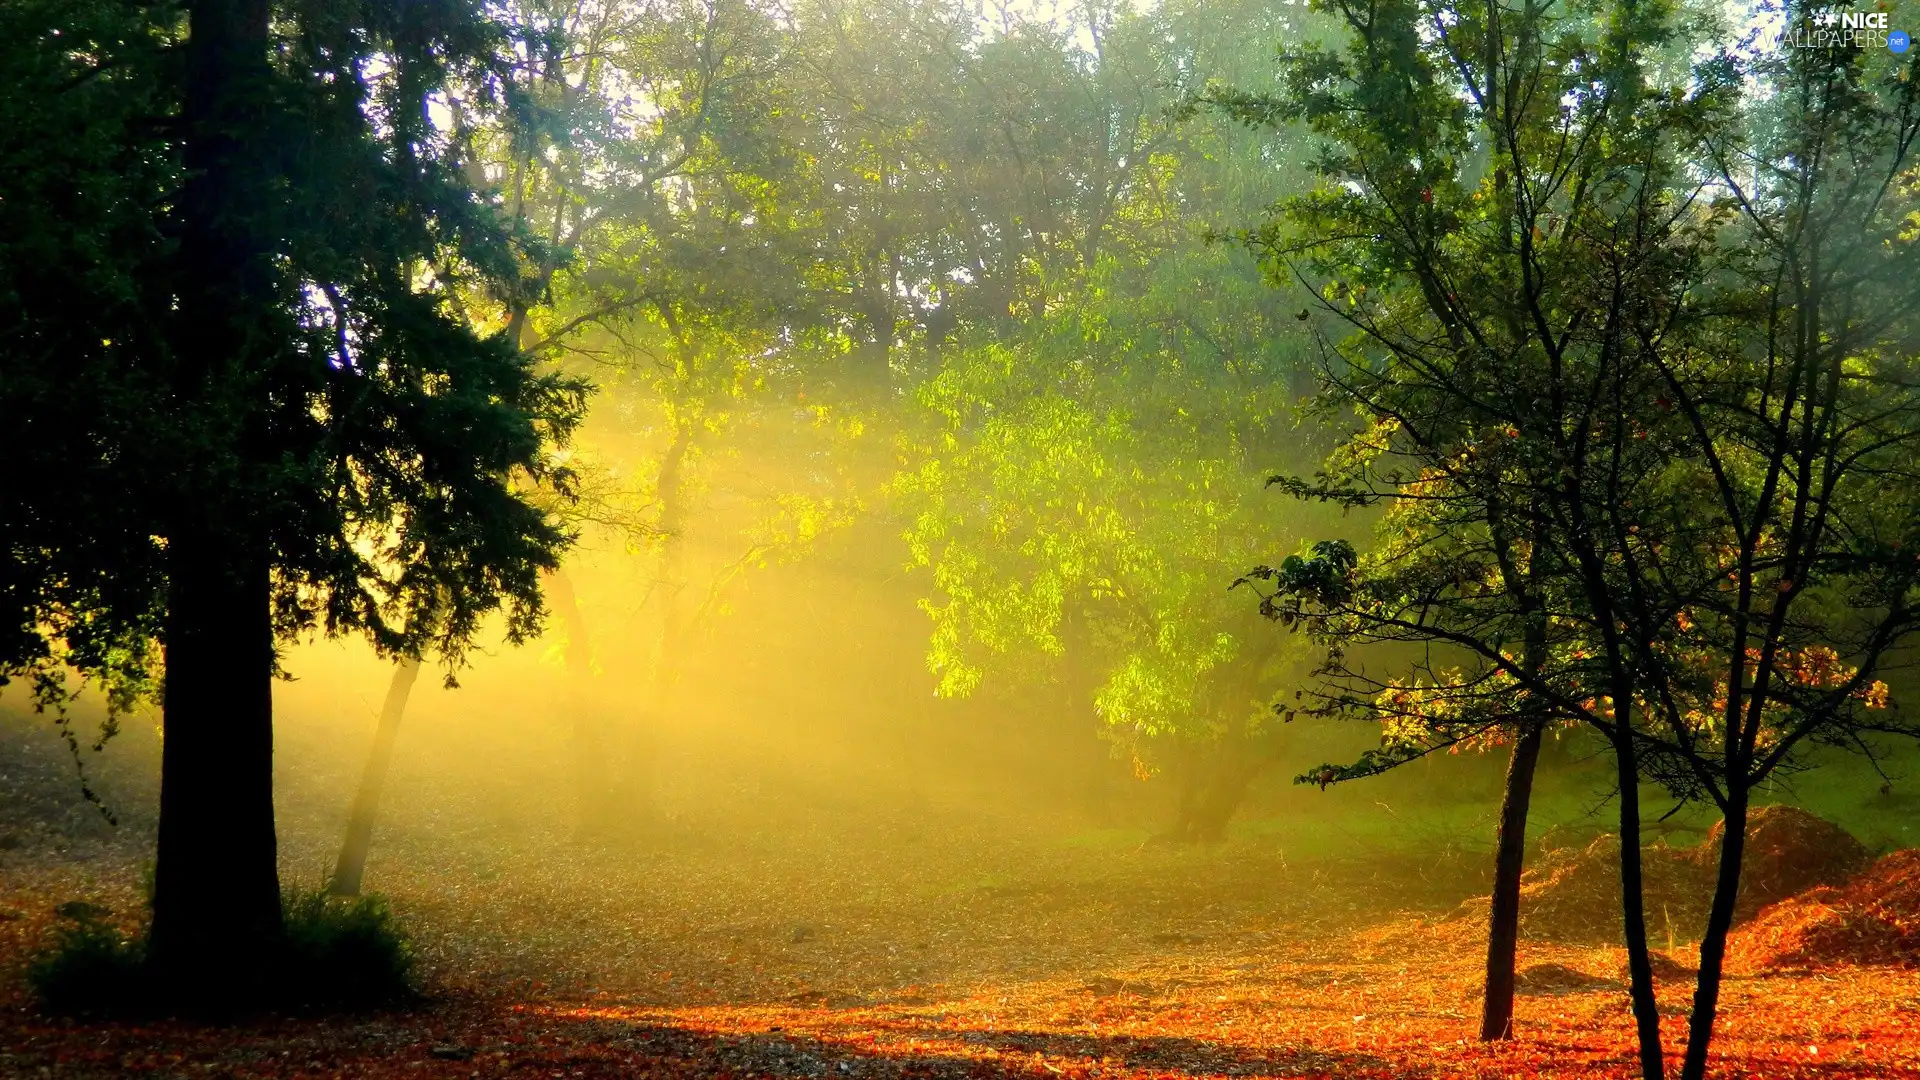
<point x="311" y="434"/>
<point x="1633" y="346"/>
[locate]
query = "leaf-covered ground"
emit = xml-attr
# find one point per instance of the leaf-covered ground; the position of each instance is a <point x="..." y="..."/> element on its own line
<point x="812" y="938"/>
<point x="942" y="952"/>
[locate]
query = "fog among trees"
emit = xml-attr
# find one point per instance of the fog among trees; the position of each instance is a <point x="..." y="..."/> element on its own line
<point x="711" y="537"/>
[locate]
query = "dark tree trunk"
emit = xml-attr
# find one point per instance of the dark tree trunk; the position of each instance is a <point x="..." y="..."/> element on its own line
<point x="352" y="864"/>
<point x="216" y="903"/>
<point x="1713" y="947"/>
<point x="1646" y="1008"/>
<point x="216" y="889"/>
<point x="1503" y="928"/>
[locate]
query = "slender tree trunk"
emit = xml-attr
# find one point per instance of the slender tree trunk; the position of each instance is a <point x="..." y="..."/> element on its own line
<point x="1646" y="1008"/>
<point x="636" y="779"/>
<point x="1713" y="947"/>
<point x="216" y="902"/>
<point x="216" y="895"/>
<point x="352" y="864"/>
<point x="1503" y="927"/>
<point x="597" y="807"/>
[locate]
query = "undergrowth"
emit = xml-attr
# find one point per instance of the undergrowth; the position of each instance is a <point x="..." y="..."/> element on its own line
<point x="336" y="954"/>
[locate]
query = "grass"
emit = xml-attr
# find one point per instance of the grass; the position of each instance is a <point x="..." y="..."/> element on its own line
<point x="1405" y="814"/>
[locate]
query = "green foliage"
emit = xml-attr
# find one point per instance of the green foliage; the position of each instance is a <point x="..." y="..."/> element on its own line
<point x="1320" y="579"/>
<point x="337" y="953"/>
<point x="90" y="967"/>
<point x="1090" y="493"/>
<point x="368" y="436"/>
<point x="344" y="952"/>
<point x="81" y="288"/>
<point x="1091" y="437"/>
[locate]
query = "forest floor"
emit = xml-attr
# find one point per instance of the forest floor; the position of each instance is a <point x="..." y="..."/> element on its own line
<point x="942" y="954"/>
<point x="808" y="940"/>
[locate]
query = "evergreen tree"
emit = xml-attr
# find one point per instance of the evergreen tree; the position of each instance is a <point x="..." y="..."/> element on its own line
<point x="309" y="432"/>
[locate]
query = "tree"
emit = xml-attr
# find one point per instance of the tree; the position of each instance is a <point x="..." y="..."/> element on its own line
<point x="1765" y="571"/>
<point x="322" y="442"/>
<point x="81" y="281"/>
<point x="351" y="867"/>
<point x="1448" y="159"/>
<point x="1582" y="314"/>
<point x="1088" y="462"/>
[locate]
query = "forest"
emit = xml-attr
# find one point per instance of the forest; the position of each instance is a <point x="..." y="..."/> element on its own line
<point x="959" y="538"/>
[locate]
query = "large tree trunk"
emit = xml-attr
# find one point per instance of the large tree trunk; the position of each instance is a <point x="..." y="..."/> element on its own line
<point x="216" y="888"/>
<point x="1221" y="797"/>
<point x="1646" y="1008"/>
<point x="352" y="864"/>
<point x="216" y="903"/>
<point x="1713" y="947"/>
<point x="1503" y="927"/>
<point x="1213" y="785"/>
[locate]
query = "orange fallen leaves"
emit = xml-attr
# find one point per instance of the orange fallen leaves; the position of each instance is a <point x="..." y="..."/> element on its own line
<point x="940" y="954"/>
<point x="1395" y="1001"/>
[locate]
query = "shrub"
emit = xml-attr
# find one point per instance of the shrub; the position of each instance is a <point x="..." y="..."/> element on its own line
<point x="344" y="952"/>
<point x="338" y="953"/>
<point x="90" y="966"/>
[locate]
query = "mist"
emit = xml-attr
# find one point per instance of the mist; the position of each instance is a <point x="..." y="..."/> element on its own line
<point x="1190" y="538"/>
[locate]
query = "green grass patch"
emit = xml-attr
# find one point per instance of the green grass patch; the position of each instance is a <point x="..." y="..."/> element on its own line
<point x="1112" y="840"/>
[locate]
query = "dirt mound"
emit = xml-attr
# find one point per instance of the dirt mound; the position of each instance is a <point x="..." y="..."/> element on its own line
<point x="1558" y="979"/>
<point x="1420" y="936"/>
<point x="1573" y="894"/>
<point x="1665" y="968"/>
<point x="1788" y="852"/>
<point x="1873" y="919"/>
